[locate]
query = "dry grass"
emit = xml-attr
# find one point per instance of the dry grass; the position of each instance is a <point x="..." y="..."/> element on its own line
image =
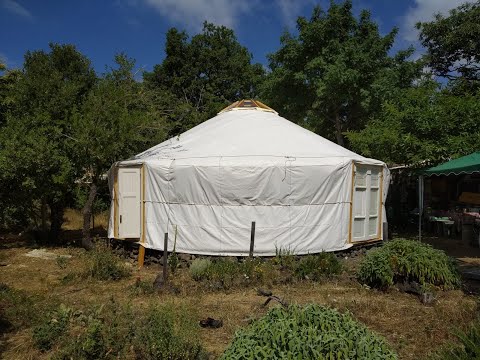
<point x="414" y="330"/>
<point x="74" y="220"/>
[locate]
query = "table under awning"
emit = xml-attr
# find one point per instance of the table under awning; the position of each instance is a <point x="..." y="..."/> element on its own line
<point x="468" y="164"/>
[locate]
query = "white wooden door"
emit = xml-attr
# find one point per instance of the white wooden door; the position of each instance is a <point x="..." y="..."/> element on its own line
<point x="366" y="203"/>
<point x="129" y="204"/>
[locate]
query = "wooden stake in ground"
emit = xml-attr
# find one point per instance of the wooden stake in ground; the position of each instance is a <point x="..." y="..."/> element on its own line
<point x="252" y="239"/>
<point x="162" y="277"/>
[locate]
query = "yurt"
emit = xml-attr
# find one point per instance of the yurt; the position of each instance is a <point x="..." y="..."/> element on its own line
<point x="206" y="186"/>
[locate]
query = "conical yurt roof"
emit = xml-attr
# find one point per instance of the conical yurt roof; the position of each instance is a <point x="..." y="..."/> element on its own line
<point x="247" y="128"/>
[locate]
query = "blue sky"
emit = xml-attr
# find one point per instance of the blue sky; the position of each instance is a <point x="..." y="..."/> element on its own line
<point x="102" y="28"/>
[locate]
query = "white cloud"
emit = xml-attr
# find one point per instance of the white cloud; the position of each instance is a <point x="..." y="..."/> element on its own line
<point x="424" y="10"/>
<point x="192" y="13"/>
<point x="16" y="8"/>
<point x="290" y="10"/>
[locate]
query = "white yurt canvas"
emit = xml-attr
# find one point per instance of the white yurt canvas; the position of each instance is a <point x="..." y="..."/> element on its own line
<point x="205" y="187"/>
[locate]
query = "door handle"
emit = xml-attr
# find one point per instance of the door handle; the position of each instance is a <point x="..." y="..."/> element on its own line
<point x="120" y="219"/>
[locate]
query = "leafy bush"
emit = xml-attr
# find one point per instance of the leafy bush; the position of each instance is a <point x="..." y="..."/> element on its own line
<point x="20" y="309"/>
<point x="468" y="348"/>
<point x="103" y="264"/>
<point x="52" y="328"/>
<point x="407" y="260"/>
<point x="284" y="257"/>
<point x="317" y="266"/>
<point x="101" y="332"/>
<point x="224" y="273"/>
<point x="199" y="268"/>
<point x="311" y="332"/>
<point x="168" y="333"/>
<point x="142" y="287"/>
<point x="112" y="331"/>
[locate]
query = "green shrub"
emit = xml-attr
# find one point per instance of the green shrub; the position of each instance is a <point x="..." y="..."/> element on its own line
<point x="112" y="331"/>
<point x="103" y="264"/>
<point x="407" y="260"/>
<point x="20" y="309"/>
<point x="315" y="267"/>
<point x="173" y="261"/>
<point x="199" y="269"/>
<point x="142" y="287"/>
<point x="284" y="257"/>
<point x="311" y="332"/>
<point x="224" y="273"/>
<point x="54" y="325"/>
<point x="101" y="332"/>
<point x="468" y="348"/>
<point x="168" y="333"/>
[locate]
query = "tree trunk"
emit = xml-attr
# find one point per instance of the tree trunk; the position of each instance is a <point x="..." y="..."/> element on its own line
<point x="56" y="220"/>
<point x="44" y="216"/>
<point x="338" y="129"/>
<point x="87" y="214"/>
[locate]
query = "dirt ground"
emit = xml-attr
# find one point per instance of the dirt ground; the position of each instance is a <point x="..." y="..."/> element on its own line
<point x="413" y="330"/>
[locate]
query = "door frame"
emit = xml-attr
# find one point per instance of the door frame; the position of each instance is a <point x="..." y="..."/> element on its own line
<point x="116" y="211"/>
<point x="380" y="207"/>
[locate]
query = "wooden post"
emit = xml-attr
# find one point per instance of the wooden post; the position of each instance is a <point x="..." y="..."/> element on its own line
<point x="141" y="256"/>
<point x="115" y="203"/>
<point x="350" y="223"/>
<point x="165" y="259"/>
<point x="252" y="239"/>
<point x="141" y="250"/>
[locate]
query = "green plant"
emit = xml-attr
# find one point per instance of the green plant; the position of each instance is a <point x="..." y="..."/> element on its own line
<point x="68" y="278"/>
<point x="142" y="287"/>
<point x="408" y="260"/>
<point x="103" y="332"/>
<point x="199" y="268"/>
<point x="17" y="308"/>
<point x="168" y="333"/>
<point x="284" y="257"/>
<point x="52" y="328"/>
<point x="310" y="332"/>
<point x="315" y="267"/>
<point x="62" y="262"/>
<point x="224" y="272"/>
<point x="467" y="348"/>
<point x="103" y="264"/>
<point x="173" y="261"/>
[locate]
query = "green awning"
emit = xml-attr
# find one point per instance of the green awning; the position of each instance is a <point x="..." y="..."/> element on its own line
<point x="464" y="165"/>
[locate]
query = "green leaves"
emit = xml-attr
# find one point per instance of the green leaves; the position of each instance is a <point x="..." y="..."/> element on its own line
<point x="204" y="73"/>
<point x="422" y="124"/>
<point x="310" y="332"/>
<point x="453" y="49"/>
<point x="335" y="73"/>
<point x="407" y="260"/>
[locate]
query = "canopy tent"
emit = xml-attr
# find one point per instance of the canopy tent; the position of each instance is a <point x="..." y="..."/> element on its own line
<point x="468" y="164"/>
<point x="205" y="187"/>
<point x="465" y="165"/>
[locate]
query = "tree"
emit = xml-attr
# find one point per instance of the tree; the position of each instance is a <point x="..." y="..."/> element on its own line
<point x="118" y="118"/>
<point x="452" y="43"/>
<point x="422" y="126"/>
<point x="35" y="152"/>
<point x="7" y="82"/>
<point x="206" y="73"/>
<point x="336" y="71"/>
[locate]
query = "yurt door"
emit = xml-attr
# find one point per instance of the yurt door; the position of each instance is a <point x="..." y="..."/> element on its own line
<point x="366" y="207"/>
<point x="129" y="202"/>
